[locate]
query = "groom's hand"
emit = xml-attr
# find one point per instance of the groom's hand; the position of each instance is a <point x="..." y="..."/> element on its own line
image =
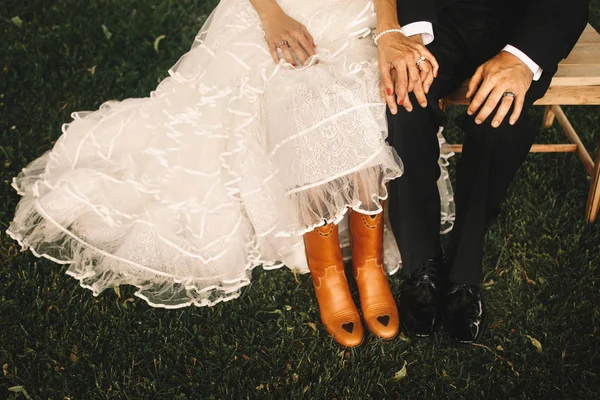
<point x="400" y="75"/>
<point x="504" y="79"/>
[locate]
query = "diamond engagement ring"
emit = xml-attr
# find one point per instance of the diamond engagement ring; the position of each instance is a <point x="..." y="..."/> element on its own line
<point x="282" y="43"/>
<point x="421" y="61"/>
<point x="509" y="93"/>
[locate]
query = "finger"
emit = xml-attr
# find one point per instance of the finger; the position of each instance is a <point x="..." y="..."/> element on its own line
<point x="382" y="91"/>
<point x="407" y="104"/>
<point x="298" y="51"/>
<point x="306" y="44"/>
<point x="517" y="109"/>
<point x="503" y="110"/>
<point x="287" y="54"/>
<point x="418" y="84"/>
<point x="431" y="58"/>
<point x="273" y="51"/>
<point x="309" y="37"/>
<point x="391" y="103"/>
<point x="426" y="75"/>
<point x="387" y="83"/>
<point x="420" y="94"/>
<point x="423" y="76"/>
<point x="480" y="97"/>
<point x="411" y="66"/>
<point x="413" y="77"/>
<point x="490" y="105"/>
<point x="401" y="82"/>
<point x="475" y="82"/>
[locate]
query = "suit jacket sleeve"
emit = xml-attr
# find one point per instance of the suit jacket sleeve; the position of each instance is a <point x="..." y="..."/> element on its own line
<point x="550" y="30"/>
<point x="410" y="11"/>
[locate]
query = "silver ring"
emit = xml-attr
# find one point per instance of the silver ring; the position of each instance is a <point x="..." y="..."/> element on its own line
<point x="421" y="61"/>
<point x="282" y="43"/>
<point x="509" y="93"/>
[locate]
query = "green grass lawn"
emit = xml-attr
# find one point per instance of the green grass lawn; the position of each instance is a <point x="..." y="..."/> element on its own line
<point x="57" y="341"/>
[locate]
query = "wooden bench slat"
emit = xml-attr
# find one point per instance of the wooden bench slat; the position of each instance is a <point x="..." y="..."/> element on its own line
<point x="536" y="148"/>
<point x="584" y="53"/>
<point x="589" y="35"/>
<point x="569" y="96"/>
<point x="577" y="75"/>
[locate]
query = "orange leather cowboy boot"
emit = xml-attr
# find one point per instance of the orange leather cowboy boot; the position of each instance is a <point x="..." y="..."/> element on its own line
<point x="377" y="303"/>
<point x="338" y="311"/>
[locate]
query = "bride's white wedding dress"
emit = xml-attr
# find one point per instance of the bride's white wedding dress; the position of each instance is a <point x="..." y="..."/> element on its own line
<point x="224" y="167"/>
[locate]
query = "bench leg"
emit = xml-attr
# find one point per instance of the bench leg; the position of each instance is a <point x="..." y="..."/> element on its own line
<point x="567" y="128"/>
<point x="548" y="117"/>
<point x="593" y="204"/>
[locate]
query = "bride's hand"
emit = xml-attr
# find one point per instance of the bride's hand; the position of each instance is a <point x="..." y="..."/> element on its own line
<point x="403" y="72"/>
<point x="290" y="36"/>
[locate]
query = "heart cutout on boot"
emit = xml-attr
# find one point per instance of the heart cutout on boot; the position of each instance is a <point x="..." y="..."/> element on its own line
<point x="349" y="327"/>
<point x="384" y="320"/>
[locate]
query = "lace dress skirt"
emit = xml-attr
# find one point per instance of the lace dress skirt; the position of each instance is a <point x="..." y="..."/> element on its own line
<point x="223" y="167"/>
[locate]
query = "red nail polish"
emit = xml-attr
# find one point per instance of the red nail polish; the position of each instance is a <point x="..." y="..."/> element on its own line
<point x="294" y="65"/>
<point x="401" y="102"/>
<point x="314" y="45"/>
<point x="389" y="92"/>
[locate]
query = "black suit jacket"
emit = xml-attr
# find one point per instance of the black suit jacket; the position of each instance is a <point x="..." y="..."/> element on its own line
<point x="545" y="30"/>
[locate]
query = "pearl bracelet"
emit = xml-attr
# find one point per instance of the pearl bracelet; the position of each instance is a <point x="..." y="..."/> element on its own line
<point x="380" y="34"/>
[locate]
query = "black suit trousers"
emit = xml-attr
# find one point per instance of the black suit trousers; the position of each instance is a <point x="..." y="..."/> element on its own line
<point x="489" y="162"/>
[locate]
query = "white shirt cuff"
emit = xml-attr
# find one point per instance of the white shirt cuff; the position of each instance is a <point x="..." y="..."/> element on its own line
<point x="423" y="28"/>
<point x="536" y="69"/>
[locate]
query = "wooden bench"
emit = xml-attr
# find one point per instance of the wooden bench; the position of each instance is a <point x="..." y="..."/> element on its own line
<point x="577" y="82"/>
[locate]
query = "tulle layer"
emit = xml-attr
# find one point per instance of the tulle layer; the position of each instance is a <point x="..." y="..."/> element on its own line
<point x="175" y="257"/>
<point x="223" y="168"/>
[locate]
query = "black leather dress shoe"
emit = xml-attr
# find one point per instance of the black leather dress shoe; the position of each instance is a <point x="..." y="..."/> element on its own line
<point x="465" y="313"/>
<point x="420" y="300"/>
